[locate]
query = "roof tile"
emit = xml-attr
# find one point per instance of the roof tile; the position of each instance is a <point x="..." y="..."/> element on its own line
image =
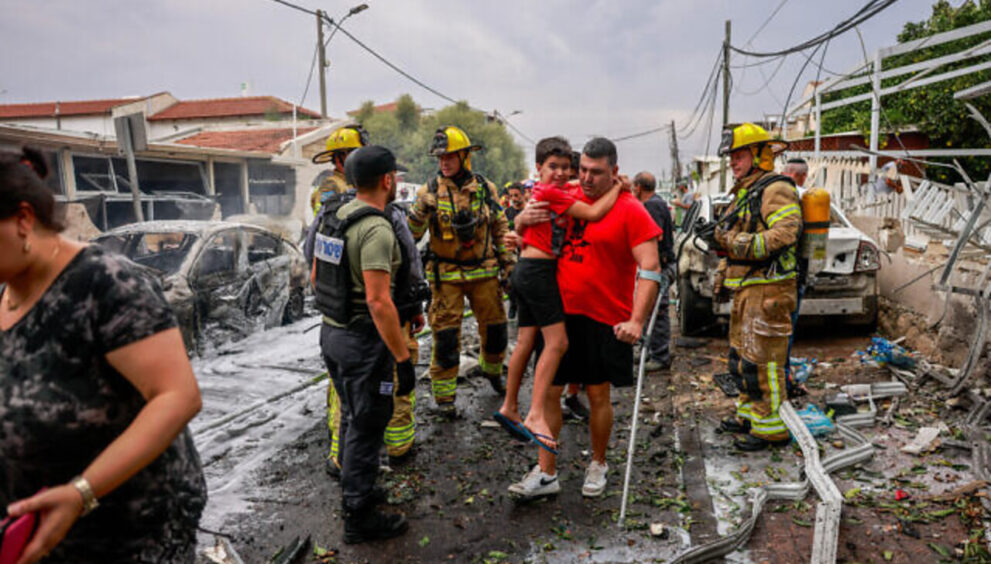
<point x="230" y="107"/>
<point x="263" y="140"/>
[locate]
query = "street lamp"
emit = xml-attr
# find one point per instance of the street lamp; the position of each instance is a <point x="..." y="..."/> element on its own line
<point x="322" y="46"/>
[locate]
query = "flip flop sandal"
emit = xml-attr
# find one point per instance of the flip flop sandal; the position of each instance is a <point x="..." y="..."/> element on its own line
<point x="535" y="437"/>
<point x="515" y="429"/>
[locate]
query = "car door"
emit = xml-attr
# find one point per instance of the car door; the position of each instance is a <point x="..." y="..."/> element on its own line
<point x="215" y="279"/>
<point x="268" y="270"/>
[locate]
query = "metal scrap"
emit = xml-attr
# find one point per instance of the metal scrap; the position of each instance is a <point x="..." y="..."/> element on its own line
<point x="827" y="532"/>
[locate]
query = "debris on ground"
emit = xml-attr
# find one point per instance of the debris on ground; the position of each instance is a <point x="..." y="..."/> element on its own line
<point x="222" y="552"/>
<point x="882" y="352"/>
<point x="817" y="422"/>
<point x="801" y="369"/>
<point x="925" y="441"/>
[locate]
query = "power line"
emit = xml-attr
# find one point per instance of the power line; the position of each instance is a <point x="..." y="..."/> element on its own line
<point x="709" y="85"/>
<point x="385" y="61"/>
<point x="767" y="21"/>
<point x="641" y="134"/>
<point x="767" y="80"/>
<point x="869" y="10"/>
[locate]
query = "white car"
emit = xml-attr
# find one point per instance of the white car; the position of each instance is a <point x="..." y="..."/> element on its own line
<point x="845" y="290"/>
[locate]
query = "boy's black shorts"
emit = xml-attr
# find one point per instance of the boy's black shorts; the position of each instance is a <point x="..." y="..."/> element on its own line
<point x="534" y="284"/>
<point x="595" y="355"/>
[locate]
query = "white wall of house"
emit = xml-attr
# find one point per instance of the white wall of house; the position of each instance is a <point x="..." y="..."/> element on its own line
<point x="99" y="124"/>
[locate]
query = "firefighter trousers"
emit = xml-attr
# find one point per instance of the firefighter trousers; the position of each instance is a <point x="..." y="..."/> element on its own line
<point x="445" y="315"/>
<point x="399" y="433"/>
<point x="760" y="324"/>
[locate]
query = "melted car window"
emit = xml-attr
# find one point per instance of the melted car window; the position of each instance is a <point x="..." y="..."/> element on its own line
<point x="164" y="251"/>
<point x="218" y="256"/>
<point x="261" y="247"/>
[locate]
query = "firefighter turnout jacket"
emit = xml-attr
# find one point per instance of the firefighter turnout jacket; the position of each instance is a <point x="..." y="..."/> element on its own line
<point x="454" y="258"/>
<point x="761" y="241"/>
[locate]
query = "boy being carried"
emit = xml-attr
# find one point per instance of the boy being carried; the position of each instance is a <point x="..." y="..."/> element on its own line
<point x="534" y="283"/>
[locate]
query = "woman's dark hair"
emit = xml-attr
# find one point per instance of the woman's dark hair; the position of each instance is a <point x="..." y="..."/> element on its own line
<point x="22" y="176"/>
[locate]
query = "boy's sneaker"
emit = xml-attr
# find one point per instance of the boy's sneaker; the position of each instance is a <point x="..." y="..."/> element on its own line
<point x="595" y="479"/>
<point x="576" y="407"/>
<point x="535" y="484"/>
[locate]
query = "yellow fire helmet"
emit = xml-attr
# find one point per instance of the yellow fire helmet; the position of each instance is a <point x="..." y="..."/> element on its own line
<point x="449" y="139"/>
<point x="757" y="139"/>
<point x="347" y="138"/>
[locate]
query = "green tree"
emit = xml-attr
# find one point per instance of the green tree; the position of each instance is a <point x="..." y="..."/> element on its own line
<point x="931" y="108"/>
<point x="408" y="113"/>
<point x="408" y="133"/>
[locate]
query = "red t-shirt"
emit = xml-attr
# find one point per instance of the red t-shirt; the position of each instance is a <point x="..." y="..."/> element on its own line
<point x="549" y="235"/>
<point x="596" y="271"/>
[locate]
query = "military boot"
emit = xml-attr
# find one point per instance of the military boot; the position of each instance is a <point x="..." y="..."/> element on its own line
<point x="368" y="524"/>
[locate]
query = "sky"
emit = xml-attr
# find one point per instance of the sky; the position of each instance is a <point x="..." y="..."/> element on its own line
<point x="578" y="69"/>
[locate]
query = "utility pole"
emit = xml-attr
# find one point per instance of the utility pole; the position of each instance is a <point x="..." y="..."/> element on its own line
<point x="323" y="65"/>
<point x="675" y="163"/>
<point x="722" y="160"/>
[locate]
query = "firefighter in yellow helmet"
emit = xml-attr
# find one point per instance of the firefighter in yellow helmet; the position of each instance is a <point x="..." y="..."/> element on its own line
<point x="759" y="234"/>
<point x="339" y="145"/>
<point x="466" y="256"/>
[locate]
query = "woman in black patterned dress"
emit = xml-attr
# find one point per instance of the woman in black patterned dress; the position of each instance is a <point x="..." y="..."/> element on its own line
<point x="95" y="392"/>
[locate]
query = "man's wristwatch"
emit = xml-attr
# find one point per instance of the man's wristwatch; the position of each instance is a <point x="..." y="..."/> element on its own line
<point x="86" y="491"/>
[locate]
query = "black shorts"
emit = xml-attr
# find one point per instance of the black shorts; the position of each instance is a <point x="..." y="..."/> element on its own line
<point x="538" y="300"/>
<point x="595" y="355"/>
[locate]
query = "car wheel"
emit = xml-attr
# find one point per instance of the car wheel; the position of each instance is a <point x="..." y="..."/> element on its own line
<point x="294" y="307"/>
<point x="694" y="311"/>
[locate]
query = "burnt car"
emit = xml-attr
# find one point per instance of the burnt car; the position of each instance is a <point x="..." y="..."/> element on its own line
<point x="224" y="280"/>
<point x="844" y="291"/>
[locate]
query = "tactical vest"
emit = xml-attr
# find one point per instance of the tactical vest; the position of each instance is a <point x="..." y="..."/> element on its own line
<point x="335" y="294"/>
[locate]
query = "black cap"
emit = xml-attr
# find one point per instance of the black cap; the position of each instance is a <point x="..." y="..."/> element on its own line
<point x="367" y="163"/>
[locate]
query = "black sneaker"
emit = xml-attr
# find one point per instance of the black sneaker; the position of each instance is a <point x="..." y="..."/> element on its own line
<point x="734" y="425"/>
<point x="577" y="408"/>
<point x="750" y="443"/>
<point x="368" y="524"/>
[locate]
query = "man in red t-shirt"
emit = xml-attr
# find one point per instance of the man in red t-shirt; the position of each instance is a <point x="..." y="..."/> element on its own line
<point x="597" y="274"/>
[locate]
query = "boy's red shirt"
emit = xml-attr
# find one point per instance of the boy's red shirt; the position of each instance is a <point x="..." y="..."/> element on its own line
<point x="596" y="271"/>
<point x="541" y="236"/>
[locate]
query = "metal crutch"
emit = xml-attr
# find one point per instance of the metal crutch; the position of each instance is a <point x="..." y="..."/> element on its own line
<point x="636" y="404"/>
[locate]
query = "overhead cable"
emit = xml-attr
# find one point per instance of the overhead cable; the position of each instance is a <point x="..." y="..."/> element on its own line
<point x="385" y="61"/>
<point x="869" y="10"/>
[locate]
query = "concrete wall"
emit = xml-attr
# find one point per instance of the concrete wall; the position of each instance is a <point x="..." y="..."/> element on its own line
<point x="939" y="329"/>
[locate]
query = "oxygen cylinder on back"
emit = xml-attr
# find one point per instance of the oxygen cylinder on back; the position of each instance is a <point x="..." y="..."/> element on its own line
<point x="815" y="215"/>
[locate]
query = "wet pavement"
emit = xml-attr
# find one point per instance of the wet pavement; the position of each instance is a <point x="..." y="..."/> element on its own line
<point x="263" y="440"/>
